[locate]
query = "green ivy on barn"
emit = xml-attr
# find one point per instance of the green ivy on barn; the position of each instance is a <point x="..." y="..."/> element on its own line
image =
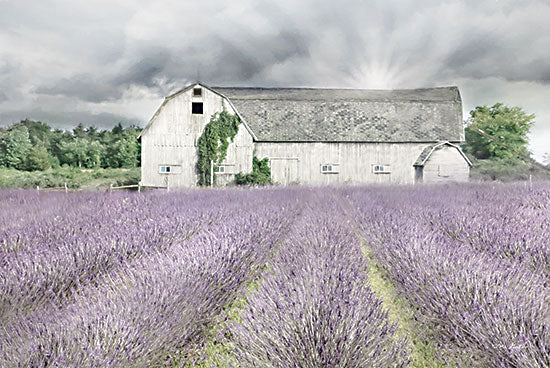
<point x="213" y="143"/>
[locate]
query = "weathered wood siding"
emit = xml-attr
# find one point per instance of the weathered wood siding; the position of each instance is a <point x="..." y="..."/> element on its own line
<point x="238" y="159"/>
<point x="172" y="139"/>
<point x="301" y="162"/>
<point x="444" y="165"/>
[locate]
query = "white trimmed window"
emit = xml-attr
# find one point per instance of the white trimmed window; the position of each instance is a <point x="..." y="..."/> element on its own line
<point x="197" y="92"/>
<point x="381" y="169"/>
<point x="329" y="169"/>
<point x="219" y="169"/>
<point x="170" y="169"/>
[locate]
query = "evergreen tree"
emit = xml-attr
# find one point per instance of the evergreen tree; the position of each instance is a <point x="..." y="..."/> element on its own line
<point x="79" y="131"/>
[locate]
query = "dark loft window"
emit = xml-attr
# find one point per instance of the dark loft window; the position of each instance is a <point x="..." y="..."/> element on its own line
<point x="197" y="92"/>
<point x="196" y="108"/>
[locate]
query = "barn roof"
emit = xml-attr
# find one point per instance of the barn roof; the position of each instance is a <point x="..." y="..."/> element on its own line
<point x="349" y="115"/>
<point x="427" y="152"/>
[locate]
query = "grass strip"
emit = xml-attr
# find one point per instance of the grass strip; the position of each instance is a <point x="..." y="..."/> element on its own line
<point x="424" y="354"/>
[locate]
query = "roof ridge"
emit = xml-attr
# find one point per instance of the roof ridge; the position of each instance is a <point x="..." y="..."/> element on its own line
<point x="335" y="88"/>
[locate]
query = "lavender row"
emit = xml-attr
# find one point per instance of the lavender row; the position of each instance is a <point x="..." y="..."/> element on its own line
<point x="154" y="308"/>
<point x="516" y="228"/>
<point x="510" y="222"/>
<point x="107" y="234"/>
<point x="481" y="307"/>
<point x="313" y="307"/>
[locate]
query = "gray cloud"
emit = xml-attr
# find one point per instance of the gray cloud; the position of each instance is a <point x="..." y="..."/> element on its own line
<point x="82" y="86"/>
<point x="485" y="39"/>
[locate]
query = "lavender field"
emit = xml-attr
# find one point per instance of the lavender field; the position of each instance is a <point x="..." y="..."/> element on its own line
<point x="427" y="276"/>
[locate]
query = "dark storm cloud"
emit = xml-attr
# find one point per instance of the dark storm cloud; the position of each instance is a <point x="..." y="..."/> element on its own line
<point x="491" y="55"/>
<point x="110" y="85"/>
<point x="158" y="69"/>
<point x="82" y="86"/>
<point x="243" y="61"/>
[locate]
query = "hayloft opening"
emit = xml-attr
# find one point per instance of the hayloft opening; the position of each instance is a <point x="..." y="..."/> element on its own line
<point x="197" y="92"/>
<point x="196" y="108"/>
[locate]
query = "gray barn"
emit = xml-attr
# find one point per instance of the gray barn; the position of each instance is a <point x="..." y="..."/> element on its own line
<point x="312" y="136"/>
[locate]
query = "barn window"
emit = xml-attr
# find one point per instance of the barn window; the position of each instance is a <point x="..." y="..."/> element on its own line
<point x="170" y="169"/>
<point x="196" y="108"/>
<point x="197" y="92"/>
<point x="219" y="169"/>
<point x="329" y="169"/>
<point x="381" y="169"/>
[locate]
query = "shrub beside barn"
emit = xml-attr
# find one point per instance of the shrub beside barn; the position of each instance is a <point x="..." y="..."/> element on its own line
<point x="312" y="136"/>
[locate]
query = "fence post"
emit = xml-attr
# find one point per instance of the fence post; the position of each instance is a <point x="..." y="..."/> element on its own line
<point x="110" y="187"/>
<point x="211" y="173"/>
<point x="139" y="187"/>
<point x="37" y="188"/>
<point x="66" y="189"/>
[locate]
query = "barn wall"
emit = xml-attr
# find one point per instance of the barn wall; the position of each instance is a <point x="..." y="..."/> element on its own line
<point x="444" y="165"/>
<point x="238" y="159"/>
<point x="301" y="162"/>
<point x="172" y="139"/>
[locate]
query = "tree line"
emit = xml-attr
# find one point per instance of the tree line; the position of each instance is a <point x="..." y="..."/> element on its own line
<point x="33" y="145"/>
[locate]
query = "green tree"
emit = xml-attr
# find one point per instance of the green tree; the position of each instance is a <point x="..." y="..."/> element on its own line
<point x="123" y="149"/>
<point x="498" y="132"/>
<point x="22" y="146"/>
<point x="37" y="158"/>
<point x="123" y="153"/>
<point x="39" y="132"/>
<point x="79" y="131"/>
<point x="57" y="138"/>
<point x="117" y="129"/>
<point x="74" y="152"/>
<point x="94" y="152"/>
<point x="92" y="132"/>
<point x="14" y="145"/>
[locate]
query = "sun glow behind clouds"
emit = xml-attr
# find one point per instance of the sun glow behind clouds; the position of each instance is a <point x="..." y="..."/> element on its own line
<point x="378" y="75"/>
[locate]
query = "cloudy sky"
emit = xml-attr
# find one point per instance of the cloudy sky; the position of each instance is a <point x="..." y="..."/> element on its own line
<point x="107" y="61"/>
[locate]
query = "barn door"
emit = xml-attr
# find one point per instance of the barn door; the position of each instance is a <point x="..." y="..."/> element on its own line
<point x="284" y="170"/>
<point x="418" y="174"/>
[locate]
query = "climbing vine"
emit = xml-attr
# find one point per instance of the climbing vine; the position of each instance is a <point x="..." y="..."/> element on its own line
<point x="260" y="175"/>
<point x="214" y="141"/>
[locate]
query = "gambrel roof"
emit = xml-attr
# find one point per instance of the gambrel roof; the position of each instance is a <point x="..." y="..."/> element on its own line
<point x="349" y="115"/>
<point x="427" y="152"/>
<point x="344" y="115"/>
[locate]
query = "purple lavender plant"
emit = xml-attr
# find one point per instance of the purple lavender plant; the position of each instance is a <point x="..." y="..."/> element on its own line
<point x="151" y="308"/>
<point x="313" y="307"/>
<point x="483" y="306"/>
